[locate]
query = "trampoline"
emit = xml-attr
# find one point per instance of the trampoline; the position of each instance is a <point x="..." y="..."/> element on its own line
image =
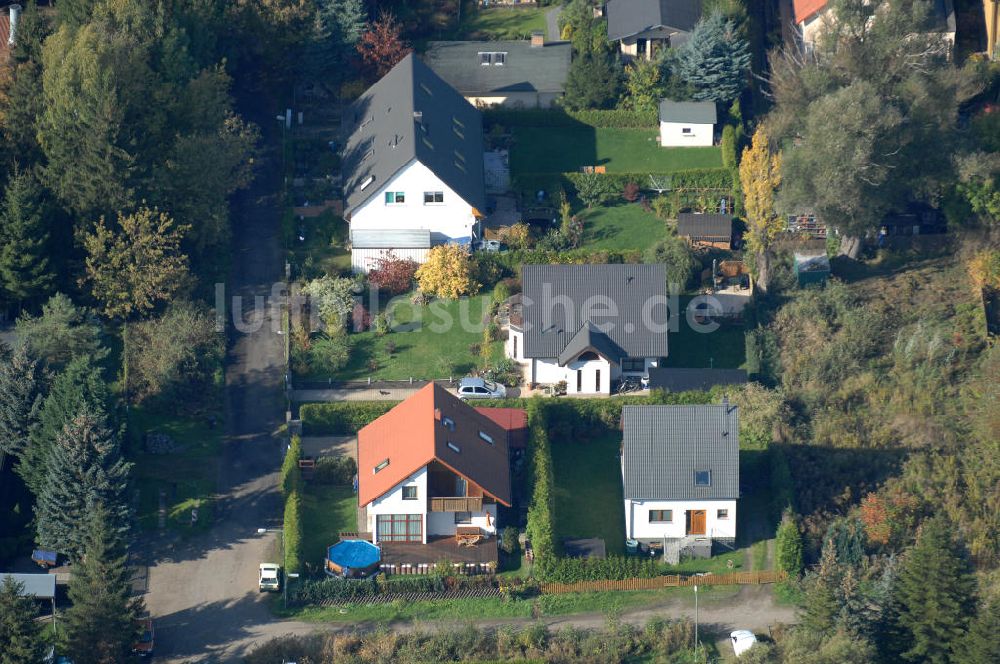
<point x="352" y="559"/>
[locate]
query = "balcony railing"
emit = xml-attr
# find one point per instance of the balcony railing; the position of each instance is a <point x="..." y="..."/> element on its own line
<point x="456" y="505"/>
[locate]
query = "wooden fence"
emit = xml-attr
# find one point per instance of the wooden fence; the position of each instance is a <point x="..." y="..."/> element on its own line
<point x="667" y="581"/>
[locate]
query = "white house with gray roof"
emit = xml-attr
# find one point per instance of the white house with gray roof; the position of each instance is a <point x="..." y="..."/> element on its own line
<point x="516" y="74"/>
<point x="687" y="123"/>
<point x="589" y="325"/>
<point x="413" y="166"/>
<point x="681" y="475"/>
<point x="644" y="27"/>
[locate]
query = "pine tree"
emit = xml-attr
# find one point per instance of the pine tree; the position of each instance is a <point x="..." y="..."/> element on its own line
<point x="20" y="635"/>
<point x="345" y="21"/>
<point x="85" y="467"/>
<point x="80" y="387"/>
<point x="715" y="60"/>
<point x="935" y="595"/>
<point x="61" y="333"/>
<point x="822" y="605"/>
<point x="592" y="82"/>
<point x="982" y="644"/>
<point x="24" y="267"/>
<point x="101" y="624"/>
<point x="20" y="398"/>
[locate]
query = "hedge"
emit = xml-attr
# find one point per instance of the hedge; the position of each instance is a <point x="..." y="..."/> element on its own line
<point x="292" y="532"/>
<point x="695" y="178"/>
<point x="348" y="590"/>
<point x="540" y="529"/>
<point x="341" y="418"/>
<point x="615" y="568"/>
<point x="291" y="476"/>
<point x="558" y="117"/>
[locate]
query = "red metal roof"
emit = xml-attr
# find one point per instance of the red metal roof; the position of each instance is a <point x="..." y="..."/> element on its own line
<point x="514" y="420"/>
<point x="806" y="9"/>
<point x="414" y="433"/>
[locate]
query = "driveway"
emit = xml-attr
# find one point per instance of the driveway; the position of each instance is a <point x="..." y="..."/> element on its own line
<point x="552" y="23"/>
<point x="203" y="590"/>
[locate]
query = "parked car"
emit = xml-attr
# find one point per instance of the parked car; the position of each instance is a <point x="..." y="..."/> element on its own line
<point x="144" y="646"/>
<point x="478" y="388"/>
<point x="743" y="640"/>
<point x="269" y="578"/>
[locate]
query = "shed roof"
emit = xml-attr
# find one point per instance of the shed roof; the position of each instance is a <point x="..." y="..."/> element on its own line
<point x="40" y="586"/>
<point x="664" y="445"/>
<point x="695" y="112"/>
<point x="685" y="380"/>
<point x="627" y="18"/>
<point x="412" y="114"/>
<point x="704" y="225"/>
<point x="526" y="68"/>
<point x="818" y="262"/>
<point x="559" y="300"/>
<point x="413" y="434"/>
<point x="402" y="238"/>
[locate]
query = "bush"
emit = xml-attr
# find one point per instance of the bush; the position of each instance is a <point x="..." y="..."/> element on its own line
<point x="491" y="332"/>
<point x="509" y="540"/>
<point x="729" y="146"/>
<point x="596" y="189"/>
<point x="393" y="274"/>
<point x="381" y="326"/>
<point x="329" y="353"/>
<point x="630" y="192"/>
<point x="292" y="532"/>
<point x="290" y="476"/>
<point x="678" y="259"/>
<point x="572" y="570"/>
<point x="335" y="470"/>
<point x="788" y="546"/>
<point x="341" y="418"/>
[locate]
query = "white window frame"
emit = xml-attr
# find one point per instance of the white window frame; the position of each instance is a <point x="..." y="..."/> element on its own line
<point x="437" y="198"/>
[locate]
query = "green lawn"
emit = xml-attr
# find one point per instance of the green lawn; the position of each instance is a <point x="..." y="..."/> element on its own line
<point x="588" y="490"/>
<point x="323" y="250"/>
<point x="327" y="511"/>
<point x="567" y="149"/>
<point x="620" y="228"/>
<point x="716" y="564"/>
<point x="502" y="23"/>
<point x="497" y="608"/>
<point x="188" y="476"/>
<point x="725" y="348"/>
<point x="431" y="342"/>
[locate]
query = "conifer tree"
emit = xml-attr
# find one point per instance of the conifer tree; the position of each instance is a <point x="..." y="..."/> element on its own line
<point x="982" y="644"/>
<point x="20" y="398"/>
<point x="935" y="595"/>
<point x="715" y="60"/>
<point x="20" y="635"/>
<point x="25" y="273"/>
<point x="85" y="468"/>
<point x="101" y="625"/>
<point x="61" y="333"/>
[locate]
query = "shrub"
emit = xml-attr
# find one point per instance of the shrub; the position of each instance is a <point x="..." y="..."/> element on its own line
<point x="491" y="333"/>
<point x="680" y="262"/>
<point x="517" y="236"/>
<point x="729" y="146"/>
<point x="290" y="476"/>
<point x="788" y="546"/>
<point x="509" y="540"/>
<point x="572" y="570"/>
<point x="390" y="347"/>
<point x="292" y="532"/>
<point x="341" y="418"/>
<point x="330" y="353"/>
<point x="630" y="192"/>
<point x="392" y="273"/>
<point x="448" y="272"/>
<point x="596" y="189"/>
<point x="338" y="470"/>
<point x="382" y="326"/>
<point x="361" y="320"/>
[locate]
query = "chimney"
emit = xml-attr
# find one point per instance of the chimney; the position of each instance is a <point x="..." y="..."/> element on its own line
<point x="537" y="39"/>
<point x="15" y="14"/>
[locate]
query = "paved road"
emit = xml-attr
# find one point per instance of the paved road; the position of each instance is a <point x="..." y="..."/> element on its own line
<point x="202" y="592"/>
<point x="552" y="23"/>
<point x="752" y="608"/>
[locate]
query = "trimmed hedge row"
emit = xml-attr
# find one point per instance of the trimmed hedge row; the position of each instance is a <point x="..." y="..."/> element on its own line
<point x="347" y="590"/>
<point x="290" y="475"/>
<point x="615" y="568"/>
<point x="341" y="418"/>
<point x="559" y="117"/>
<point x="695" y="178"/>
<point x="540" y="528"/>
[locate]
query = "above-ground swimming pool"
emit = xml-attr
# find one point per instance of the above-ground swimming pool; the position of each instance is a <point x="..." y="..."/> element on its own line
<point x="352" y="558"/>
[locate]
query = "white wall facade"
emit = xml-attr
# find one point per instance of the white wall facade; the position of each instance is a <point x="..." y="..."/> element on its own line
<point x="443" y="523"/>
<point x="393" y="503"/>
<point x="638" y="526"/>
<point x="672" y="134"/>
<point x="364" y="260"/>
<point x="452" y="218"/>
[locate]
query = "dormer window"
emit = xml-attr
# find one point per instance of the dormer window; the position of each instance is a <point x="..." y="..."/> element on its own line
<point x="703" y="478"/>
<point x="381" y="466"/>
<point x="487" y="437"/>
<point x="454" y="448"/>
<point x="448" y="422"/>
<point x="485" y="59"/>
<point x="495" y="58"/>
<point x="499" y="59"/>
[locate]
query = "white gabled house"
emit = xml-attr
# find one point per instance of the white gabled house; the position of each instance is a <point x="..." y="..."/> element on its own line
<point x="681" y="476"/>
<point x="413" y="161"/>
<point x="589" y="325"/>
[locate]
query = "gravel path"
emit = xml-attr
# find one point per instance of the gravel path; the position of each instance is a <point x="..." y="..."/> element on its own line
<point x="552" y="23"/>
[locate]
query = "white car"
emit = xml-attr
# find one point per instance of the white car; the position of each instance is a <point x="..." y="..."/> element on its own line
<point x="743" y="640"/>
<point x="270" y="577"/>
<point x="479" y="388"/>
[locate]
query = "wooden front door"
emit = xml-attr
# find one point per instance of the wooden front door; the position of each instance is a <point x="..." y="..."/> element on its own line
<point x="696" y="522"/>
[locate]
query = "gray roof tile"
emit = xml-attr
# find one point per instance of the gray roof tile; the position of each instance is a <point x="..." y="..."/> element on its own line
<point x="630" y="17"/>
<point x="691" y="224"/>
<point x="696" y="112"/>
<point x="685" y="380"/>
<point x="556" y="297"/>
<point x="412" y="114"/>
<point x="663" y="446"/>
<point x="525" y="68"/>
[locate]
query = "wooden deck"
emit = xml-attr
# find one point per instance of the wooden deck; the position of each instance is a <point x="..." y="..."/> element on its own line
<point x="419" y="558"/>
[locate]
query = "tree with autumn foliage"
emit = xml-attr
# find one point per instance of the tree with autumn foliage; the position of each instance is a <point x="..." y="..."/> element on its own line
<point x="381" y="45"/>
<point x="448" y="272"/>
<point x="760" y="177"/>
<point x="392" y="273"/>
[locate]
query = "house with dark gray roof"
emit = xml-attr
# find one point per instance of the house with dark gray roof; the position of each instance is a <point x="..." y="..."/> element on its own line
<point x="687" y="123"/>
<point x="589" y="325"/>
<point x="643" y="27"/>
<point x="412" y="161"/>
<point x="708" y="230"/>
<point x="517" y="74"/>
<point x="681" y="475"/>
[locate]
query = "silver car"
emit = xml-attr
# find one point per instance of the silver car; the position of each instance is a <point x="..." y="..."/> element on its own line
<point x="479" y="388"/>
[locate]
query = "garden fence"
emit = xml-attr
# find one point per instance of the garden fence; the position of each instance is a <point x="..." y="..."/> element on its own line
<point x="667" y="581"/>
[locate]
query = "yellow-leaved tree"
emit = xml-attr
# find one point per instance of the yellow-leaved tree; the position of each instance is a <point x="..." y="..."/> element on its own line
<point x="448" y="272"/>
<point x="760" y="176"/>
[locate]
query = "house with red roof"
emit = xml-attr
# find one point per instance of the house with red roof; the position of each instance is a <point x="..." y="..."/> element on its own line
<point x="432" y="473"/>
<point x="811" y="18"/>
